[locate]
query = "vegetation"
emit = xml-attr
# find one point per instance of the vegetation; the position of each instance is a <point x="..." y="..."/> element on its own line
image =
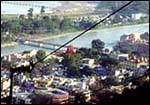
<point x="145" y="36"/>
<point x="88" y="52"/>
<point x="87" y="71"/>
<point x="72" y="60"/>
<point x="125" y="47"/>
<point x="98" y="44"/>
<point x="111" y="81"/>
<point x="50" y="65"/>
<point x="108" y="62"/>
<point x="30" y="24"/>
<point x="40" y="54"/>
<point x="72" y="63"/>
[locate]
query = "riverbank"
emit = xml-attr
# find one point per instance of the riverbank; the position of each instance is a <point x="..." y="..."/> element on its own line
<point x="9" y="44"/>
<point x="41" y="38"/>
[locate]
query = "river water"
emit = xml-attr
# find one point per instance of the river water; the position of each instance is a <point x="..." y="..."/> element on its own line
<point x="109" y="36"/>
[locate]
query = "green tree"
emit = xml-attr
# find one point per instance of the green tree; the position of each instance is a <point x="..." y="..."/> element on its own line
<point x="72" y="63"/>
<point x="111" y="80"/>
<point x="40" y="54"/>
<point x="15" y="26"/>
<point x="65" y="24"/>
<point x="51" y="63"/>
<point x="98" y="44"/>
<point x="74" y="72"/>
<point x="42" y="10"/>
<point x="55" y="24"/>
<point x="47" y="23"/>
<point x="88" y="52"/>
<point x="30" y="13"/>
<point x="72" y="60"/>
<point x="107" y="61"/>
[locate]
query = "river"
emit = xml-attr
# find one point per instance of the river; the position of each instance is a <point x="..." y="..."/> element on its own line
<point x="110" y="36"/>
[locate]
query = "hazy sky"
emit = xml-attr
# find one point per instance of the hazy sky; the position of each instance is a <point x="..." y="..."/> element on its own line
<point x="19" y="9"/>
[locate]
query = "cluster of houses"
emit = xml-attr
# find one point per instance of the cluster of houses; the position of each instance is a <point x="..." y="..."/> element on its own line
<point x="63" y="89"/>
<point x="141" y="46"/>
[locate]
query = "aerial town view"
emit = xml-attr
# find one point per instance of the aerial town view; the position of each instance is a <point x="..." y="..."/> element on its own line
<point x="74" y="52"/>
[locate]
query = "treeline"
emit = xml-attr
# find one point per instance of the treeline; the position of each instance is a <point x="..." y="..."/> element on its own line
<point x="42" y="23"/>
<point x="38" y="24"/>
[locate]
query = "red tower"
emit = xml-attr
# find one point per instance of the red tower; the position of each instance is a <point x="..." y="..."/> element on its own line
<point x="70" y="50"/>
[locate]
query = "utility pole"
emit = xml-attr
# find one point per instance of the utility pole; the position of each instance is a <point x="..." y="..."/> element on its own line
<point x="19" y="70"/>
<point x="11" y="86"/>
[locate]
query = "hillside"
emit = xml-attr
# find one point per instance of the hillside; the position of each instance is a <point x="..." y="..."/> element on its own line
<point x="135" y="7"/>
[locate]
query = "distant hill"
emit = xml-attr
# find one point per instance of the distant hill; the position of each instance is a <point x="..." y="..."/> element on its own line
<point x="135" y="7"/>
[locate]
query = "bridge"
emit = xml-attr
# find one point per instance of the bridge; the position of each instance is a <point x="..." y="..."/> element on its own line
<point x="41" y="44"/>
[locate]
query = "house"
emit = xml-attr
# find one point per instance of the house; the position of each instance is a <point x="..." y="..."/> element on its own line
<point x="137" y="16"/>
<point x="131" y="37"/>
<point x="134" y="37"/>
<point x="134" y="63"/>
<point x="88" y="62"/>
<point x="122" y="56"/>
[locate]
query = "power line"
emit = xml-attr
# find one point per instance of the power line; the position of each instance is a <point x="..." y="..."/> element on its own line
<point x="23" y="4"/>
<point x="85" y="31"/>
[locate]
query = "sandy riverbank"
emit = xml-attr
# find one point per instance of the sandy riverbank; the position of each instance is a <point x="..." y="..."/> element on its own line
<point x="9" y="44"/>
<point x="41" y="38"/>
<point x="76" y="33"/>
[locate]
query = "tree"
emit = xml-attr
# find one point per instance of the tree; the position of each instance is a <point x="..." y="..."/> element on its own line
<point x="72" y="63"/>
<point x="42" y="10"/>
<point x="98" y="44"/>
<point x="30" y="13"/>
<point x="15" y="26"/>
<point x="74" y="72"/>
<point x="49" y="68"/>
<point x="85" y="24"/>
<point x="83" y="51"/>
<point x="5" y="26"/>
<point x="87" y="52"/>
<point x="40" y="54"/>
<point x="145" y="36"/>
<point x="72" y="60"/>
<point x="125" y="47"/>
<point x="46" y="22"/>
<point x="65" y="24"/>
<point x="87" y="71"/>
<point x="109" y="81"/>
<point x="55" y="24"/>
<point x="107" y="61"/>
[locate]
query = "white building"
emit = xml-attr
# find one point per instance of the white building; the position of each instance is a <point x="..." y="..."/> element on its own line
<point x="88" y="62"/>
<point x="137" y="16"/>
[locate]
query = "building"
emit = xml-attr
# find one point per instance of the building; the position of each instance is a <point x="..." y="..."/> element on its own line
<point x="88" y="62"/>
<point x="137" y="16"/>
<point x="134" y="63"/>
<point x="70" y="50"/>
<point x="122" y="56"/>
<point x="131" y="37"/>
<point x="134" y="37"/>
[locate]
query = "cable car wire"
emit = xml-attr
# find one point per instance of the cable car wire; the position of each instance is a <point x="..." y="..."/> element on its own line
<point x="88" y="29"/>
